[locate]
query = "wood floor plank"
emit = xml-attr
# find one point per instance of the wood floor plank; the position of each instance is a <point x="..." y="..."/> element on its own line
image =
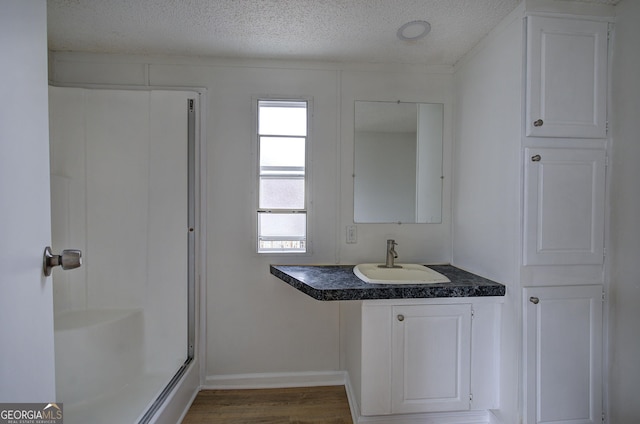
<point x="300" y="405"/>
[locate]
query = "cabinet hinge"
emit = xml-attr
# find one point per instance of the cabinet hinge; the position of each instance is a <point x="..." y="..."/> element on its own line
<point x="473" y="313"/>
<point x="603" y="418"/>
<point x="603" y="295"/>
<point x="470" y="398"/>
<point x="606" y="127"/>
<point x="191" y="105"/>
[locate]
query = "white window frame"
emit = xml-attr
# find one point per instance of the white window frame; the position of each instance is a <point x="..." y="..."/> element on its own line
<point x="307" y="178"/>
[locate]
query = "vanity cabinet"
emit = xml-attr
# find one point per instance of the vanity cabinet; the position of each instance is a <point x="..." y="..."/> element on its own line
<point x="563" y="354"/>
<point x="566" y="77"/>
<point x="423" y="355"/>
<point x="431" y="358"/>
<point x="564" y="206"/>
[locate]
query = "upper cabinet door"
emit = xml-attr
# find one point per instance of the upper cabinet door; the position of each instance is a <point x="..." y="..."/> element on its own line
<point x="566" y="78"/>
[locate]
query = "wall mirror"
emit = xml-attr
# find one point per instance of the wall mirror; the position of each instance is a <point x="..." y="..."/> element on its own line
<point x="398" y="162"/>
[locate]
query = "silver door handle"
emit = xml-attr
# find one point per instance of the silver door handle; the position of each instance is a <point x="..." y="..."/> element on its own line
<point x="538" y="123"/>
<point x="534" y="300"/>
<point x="69" y="259"/>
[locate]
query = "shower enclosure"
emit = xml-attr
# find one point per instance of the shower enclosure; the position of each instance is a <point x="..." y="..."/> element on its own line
<point x="122" y="190"/>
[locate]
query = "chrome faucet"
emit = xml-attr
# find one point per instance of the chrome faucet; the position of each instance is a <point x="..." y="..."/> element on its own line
<point x="391" y="255"/>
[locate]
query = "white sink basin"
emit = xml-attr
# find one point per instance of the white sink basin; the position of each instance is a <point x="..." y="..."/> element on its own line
<point x="403" y="274"/>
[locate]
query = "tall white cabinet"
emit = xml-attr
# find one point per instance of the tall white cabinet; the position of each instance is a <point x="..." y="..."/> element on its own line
<point x="564" y="164"/>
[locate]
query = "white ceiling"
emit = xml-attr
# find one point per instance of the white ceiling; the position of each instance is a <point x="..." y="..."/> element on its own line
<point x="335" y="30"/>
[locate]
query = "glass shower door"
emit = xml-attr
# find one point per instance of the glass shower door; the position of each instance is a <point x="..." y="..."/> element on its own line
<point x="120" y="168"/>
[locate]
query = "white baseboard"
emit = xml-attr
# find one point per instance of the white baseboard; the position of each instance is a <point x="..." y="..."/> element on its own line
<point x="463" y="417"/>
<point x="493" y="419"/>
<point x="351" y="397"/>
<point x="275" y="380"/>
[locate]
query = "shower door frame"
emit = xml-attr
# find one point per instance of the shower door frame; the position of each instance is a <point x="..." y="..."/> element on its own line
<point x="194" y="222"/>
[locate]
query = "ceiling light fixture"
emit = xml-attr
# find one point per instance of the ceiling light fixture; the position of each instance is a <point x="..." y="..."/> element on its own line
<point x="414" y="30"/>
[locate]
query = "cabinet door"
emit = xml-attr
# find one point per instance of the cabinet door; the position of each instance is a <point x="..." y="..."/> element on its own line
<point x="566" y="78"/>
<point x="431" y="358"/>
<point x="564" y="206"/>
<point x="563" y="354"/>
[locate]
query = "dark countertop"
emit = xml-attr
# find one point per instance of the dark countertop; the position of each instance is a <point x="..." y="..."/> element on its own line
<point x="338" y="282"/>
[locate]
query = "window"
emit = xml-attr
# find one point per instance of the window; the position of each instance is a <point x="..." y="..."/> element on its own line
<point x="282" y="159"/>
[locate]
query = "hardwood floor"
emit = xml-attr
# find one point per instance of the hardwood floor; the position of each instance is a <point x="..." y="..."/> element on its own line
<point x="303" y="405"/>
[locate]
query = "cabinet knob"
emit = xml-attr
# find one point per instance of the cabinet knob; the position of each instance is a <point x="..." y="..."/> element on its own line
<point x="536" y="158"/>
<point x="400" y="317"/>
<point x="538" y="123"/>
<point x="534" y="300"/>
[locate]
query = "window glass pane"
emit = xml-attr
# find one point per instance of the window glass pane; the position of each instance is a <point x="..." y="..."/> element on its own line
<point x="282" y="246"/>
<point x="281" y="193"/>
<point x="282" y="118"/>
<point x="282" y="225"/>
<point x="282" y="152"/>
<point x="282" y="232"/>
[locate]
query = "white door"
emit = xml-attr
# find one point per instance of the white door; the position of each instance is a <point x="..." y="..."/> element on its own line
<point x="431" y="358"/>
<point x="26" y="303"/>
<point x="566" y="78"/>
<point x="564" y="206"/>
<point x="563" y="354"/>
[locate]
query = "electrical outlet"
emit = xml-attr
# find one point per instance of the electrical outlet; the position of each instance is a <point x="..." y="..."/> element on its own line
<point x="352" y="234"/>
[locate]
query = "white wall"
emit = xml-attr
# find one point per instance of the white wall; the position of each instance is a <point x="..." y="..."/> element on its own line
<point x="255" y="322"/>
<point x="486" y="187"/>
<point x="487" y="155"/>
<point x="624" y="349"/>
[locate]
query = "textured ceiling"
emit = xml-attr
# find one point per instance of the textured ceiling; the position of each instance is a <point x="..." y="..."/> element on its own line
<point x="336" y="30"/>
